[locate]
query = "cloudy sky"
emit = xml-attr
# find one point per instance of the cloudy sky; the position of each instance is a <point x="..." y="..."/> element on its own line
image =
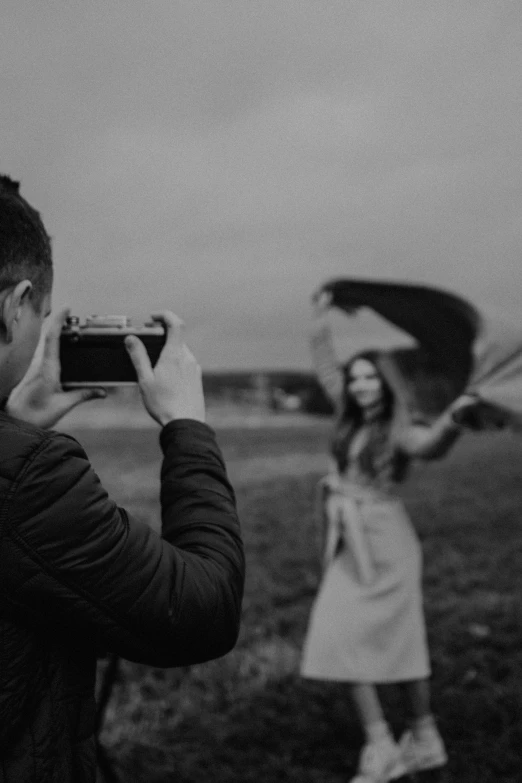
<point x="224" y="157"/>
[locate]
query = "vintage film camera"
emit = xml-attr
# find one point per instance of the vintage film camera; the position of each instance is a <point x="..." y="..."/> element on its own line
<point x="94" y="354"/>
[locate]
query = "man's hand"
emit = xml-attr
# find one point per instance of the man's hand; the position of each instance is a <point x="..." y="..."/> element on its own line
<point x="39" y="398"/>
<point x="173" y="388"/>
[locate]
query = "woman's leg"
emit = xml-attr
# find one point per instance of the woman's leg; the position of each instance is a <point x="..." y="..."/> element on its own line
<point x="422" y="721"/>
<point x="418" y="692"/>
<point x="381" y="758"/>
<point x="423" y="748"/>
<point x="369" y="709"/>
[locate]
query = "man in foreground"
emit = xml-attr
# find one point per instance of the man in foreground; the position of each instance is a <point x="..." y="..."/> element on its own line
<point x="78" y="575"/>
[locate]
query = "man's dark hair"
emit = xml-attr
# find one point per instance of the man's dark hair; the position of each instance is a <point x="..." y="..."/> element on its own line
<point x="25" y="246"/>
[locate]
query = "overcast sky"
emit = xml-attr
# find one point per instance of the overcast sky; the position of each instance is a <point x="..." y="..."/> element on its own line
<point x="224" y="157"/>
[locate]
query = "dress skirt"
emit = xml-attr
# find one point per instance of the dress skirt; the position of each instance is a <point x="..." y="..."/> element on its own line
<point x="367" y="622"/>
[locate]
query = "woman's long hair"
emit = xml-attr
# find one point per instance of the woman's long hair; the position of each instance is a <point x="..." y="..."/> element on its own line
<point x="351" y="418"/>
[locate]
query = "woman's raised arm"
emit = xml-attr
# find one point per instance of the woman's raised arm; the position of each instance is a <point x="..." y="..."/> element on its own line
<point x="433" y="441"/>
<point x="323" y="353"/>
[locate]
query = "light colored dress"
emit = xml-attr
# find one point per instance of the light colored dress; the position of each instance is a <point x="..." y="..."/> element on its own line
<point x="367" y="622"/>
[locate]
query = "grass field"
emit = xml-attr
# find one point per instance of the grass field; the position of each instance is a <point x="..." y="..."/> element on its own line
<point x="249" y="717"/>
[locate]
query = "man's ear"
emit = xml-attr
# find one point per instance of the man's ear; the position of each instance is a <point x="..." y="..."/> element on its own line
<point x="11" y="308"/>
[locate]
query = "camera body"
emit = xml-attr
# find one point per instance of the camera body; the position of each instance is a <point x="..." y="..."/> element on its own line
<point x="94" y="353"/>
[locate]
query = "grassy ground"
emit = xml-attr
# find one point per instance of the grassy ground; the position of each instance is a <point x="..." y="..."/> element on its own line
<point x="249" y="717"/>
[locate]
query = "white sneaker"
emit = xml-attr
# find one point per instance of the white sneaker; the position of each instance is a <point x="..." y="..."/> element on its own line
<point x="380" y="762"/>
<point x="421" y="755"/>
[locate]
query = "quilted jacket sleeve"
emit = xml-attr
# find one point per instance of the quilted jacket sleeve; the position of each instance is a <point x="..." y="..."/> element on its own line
<point x="81" y="565"/>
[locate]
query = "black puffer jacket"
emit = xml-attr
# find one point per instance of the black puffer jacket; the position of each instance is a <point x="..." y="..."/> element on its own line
<point x="79" y="576"/>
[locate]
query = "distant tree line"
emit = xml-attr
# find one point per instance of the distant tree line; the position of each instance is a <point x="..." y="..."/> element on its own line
<point x="430" y="385"/>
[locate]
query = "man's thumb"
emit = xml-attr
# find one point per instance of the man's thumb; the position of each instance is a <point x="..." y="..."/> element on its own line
<point x="139" y="356"/>
<point x="84" y="395"/>
<point x="71" y="399"/>
<point x="94" y="394"/>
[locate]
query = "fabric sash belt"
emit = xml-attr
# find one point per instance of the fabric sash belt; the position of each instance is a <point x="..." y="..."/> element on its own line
<point x="345" y="524"/>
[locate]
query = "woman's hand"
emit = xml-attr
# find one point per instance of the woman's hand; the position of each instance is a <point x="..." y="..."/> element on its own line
<point x="463" y="410"/>
<point x="474" y="413"/>
<point x="322" y="301"/>
<point x="39" y="398"/>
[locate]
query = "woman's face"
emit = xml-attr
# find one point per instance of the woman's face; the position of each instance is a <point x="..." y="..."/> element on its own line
<point x="364" y="383"/>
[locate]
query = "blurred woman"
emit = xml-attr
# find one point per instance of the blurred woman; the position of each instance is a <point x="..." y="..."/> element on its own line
<point x="367" y="623"/>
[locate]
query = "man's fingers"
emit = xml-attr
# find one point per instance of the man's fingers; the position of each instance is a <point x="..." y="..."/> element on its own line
<point x="189" y="355"/>
<point x="139" y="357"/>
<point x="94" y="394"/>
<point x="70" y="399"/>
<point x="51" y="350"/>
<point x="84" y="395"/>
<point x="174" y="328"/>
